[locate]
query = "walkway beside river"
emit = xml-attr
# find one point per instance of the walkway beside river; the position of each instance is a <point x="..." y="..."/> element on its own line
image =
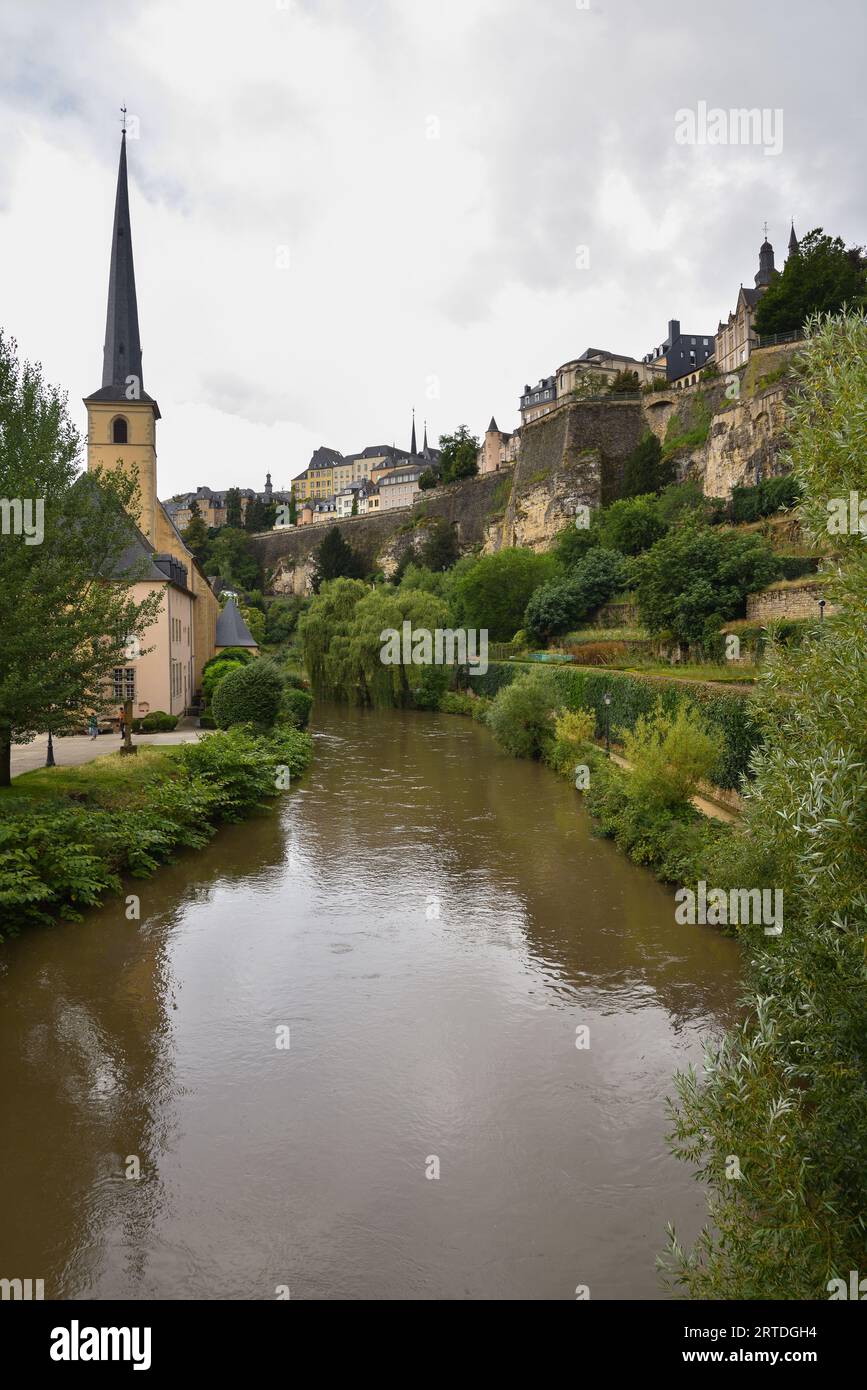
<point x="81" y="748"/>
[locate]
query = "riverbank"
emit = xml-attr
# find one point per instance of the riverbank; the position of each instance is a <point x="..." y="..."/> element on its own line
<point x="69" y="834"/>
<point x="434" y="922"/>
<point x="75" y="749"/>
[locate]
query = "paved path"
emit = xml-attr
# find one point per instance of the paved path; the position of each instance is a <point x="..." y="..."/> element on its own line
<point x="79" y="748"/>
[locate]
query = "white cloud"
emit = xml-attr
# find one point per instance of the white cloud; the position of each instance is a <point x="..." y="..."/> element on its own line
<point x="410" y="258"/>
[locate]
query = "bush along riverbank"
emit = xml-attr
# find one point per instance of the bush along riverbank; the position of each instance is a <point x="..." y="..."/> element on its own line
<point x="67" y="835"/>
<point x="775" y="1125"/>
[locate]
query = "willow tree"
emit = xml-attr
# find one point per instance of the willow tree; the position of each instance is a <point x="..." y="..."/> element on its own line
<point x="777" y="1124"/>
<point x="68" y="610"/>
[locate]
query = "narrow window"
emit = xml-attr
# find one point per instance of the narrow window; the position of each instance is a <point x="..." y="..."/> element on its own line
<point x="119" y="431"/>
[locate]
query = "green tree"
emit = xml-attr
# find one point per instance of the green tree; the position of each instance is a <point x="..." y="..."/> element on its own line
<point x="493" y="591"/>
<point x="786" y="1089"/>
<point x="631" y="525"/>
<point x="440" y="547"/>
<point x="335" y="559"/>
<point x="644" y="471"/>
<point x="521" y="717"/>
<point x="249" y="695"/>
<point x="820" y="277"/>
<point x="427" y="480"/>
<point x="234" y="559"/>
<point x="458" y="455"/>
<point x="69" y="610"/>
<point x="234" y="516"/>
<point x="625" y="381"/>
<point x="696" y="576"/>
<point x="195" y="535"/>
<point x="573" y="542"/>
<point x="556" y="607"/>
<point x="588" y="384"/>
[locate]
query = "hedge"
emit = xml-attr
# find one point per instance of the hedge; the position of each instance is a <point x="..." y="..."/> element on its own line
<point x="251" y="695"/>
<point x="157" y="722"/>
<point x="632" y="696"/>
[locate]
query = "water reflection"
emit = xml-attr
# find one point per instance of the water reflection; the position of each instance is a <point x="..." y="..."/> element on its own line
<point x="432" y="921"/>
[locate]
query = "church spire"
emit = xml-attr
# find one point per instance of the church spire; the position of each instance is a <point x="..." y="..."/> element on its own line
<point x="121" y="357"/>
<point x="424" y="448"/>
<point x="412" y="446"/>
<point x="793" y="241"/>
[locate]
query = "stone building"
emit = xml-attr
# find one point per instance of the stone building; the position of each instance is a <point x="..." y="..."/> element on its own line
<point x="498" y="448"/>
<point x="682" y="353"/>
<point x="552" y="391"/>
<point x="121" y="433"/>
<point x="399" y="486"/>
<point x="737" y="339"/>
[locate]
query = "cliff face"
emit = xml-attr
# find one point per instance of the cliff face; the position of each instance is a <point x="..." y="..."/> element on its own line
<point x="740" y="419"/>
<point x="573" y="456"/>
<point x="286" y="555"/>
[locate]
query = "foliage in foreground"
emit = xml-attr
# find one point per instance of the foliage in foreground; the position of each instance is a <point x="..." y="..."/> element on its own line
<point x="785" y="1093"/>
<point x="65" y="840"/>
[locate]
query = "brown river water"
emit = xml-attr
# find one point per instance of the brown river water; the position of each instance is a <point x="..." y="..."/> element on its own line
<point x="432" y="921"/>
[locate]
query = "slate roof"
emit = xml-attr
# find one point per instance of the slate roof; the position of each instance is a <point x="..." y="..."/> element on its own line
<point x="121" y="354"/>
<point x="232" y="631"/>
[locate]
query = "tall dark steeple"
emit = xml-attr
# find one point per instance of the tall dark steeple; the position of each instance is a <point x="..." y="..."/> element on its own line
<point x="121" y="356"/>
<point x="793" y="240"/>
<point x="766" y="262"/>
<point x="412" y="447"/>
<point x="424" y="448"/>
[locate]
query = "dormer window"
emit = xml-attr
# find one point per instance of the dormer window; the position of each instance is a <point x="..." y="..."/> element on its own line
<point x="119" y="430"/>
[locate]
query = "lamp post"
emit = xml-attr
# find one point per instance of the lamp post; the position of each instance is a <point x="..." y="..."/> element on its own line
<point x="821" y="610"/>
<point x="128" y="746"/>
<point x="607" y="698"/>
<point x="49" y="756"/>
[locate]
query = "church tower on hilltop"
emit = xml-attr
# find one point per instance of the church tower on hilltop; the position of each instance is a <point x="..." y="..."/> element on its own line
<point x="766" y="265"/>
<point x="121" y="416"/>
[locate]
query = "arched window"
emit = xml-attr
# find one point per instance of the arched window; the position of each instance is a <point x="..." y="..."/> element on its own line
<point x="119" y="430"/>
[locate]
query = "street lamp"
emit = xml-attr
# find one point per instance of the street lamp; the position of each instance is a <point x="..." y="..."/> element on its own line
<point x="607" y="698"/>
<point x="49" y="756"/>
<point x="821" y="610"/>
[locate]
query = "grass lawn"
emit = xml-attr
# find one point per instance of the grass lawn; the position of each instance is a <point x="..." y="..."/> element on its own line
<point x="109" y="781"/>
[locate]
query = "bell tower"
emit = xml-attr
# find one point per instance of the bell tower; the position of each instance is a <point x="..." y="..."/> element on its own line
<point x="121" y="416"/>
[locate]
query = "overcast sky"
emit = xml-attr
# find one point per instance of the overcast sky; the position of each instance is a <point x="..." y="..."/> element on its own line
<point x="428" y="168"/>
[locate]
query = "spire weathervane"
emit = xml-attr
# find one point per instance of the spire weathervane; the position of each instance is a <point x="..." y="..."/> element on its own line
<point x="766" y="231"/>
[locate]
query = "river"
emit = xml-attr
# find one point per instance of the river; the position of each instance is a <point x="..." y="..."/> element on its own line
<point x="431" y="921"/>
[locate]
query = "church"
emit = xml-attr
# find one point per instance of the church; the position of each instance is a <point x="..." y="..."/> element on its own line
<point x="121" y="433"/>
<point x="736" y="339"/>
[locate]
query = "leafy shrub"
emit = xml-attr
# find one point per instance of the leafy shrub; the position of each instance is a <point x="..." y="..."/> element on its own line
<point x="295" y="706"/>
<point x="250" y="695"/>
<point x="520" y="717"/>
<point x="431" y="685"/>
<point x="216" y="671"/>
<point x="61" y="856"/>
<point x="670" y="754"/>
<point x="155" y="722"/>
<point x="573" y="735"/>
<point x="797" y="566"/>
<point x="632" y="695"/>
<point x="772" y="495"/>
<point x="242" y="654"/>
<point x="555" y="608"/>
<point x="456" y="702"/>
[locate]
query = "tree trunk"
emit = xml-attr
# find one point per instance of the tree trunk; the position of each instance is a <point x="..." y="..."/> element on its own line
<point x="5" y="758"/>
